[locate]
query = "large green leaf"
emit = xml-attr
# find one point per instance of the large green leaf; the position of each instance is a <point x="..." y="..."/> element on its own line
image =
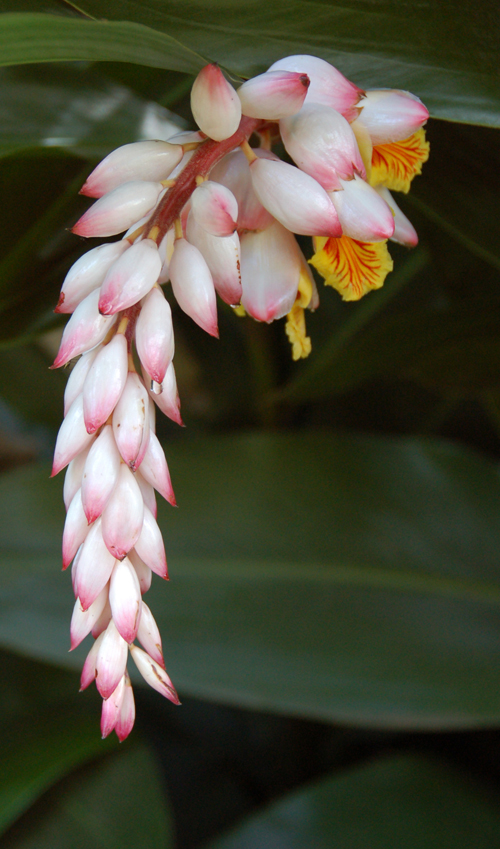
<point x="47" y="731"/>
<point x="74" y="108"/>
<point x="454" y="348"/>
<point x="343" y="578"/>
<point x="117" y="802"/>
<point x="405" y="801"/>
<point x="382" y="44"/>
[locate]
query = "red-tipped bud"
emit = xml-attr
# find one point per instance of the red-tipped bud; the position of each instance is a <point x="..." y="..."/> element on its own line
<point x="363" y="214"/>
<point x="273" y="95"/>
<point x="270" y="271"/>
<point x="222" y="255"/>
<point x="105" y="383"/>
<point x="130" y="278"/>
<point x="131" y="421"/>
<point x="151" y="161"/>
<point x="215" y="105"/>
<point x="72" y="437"/>
<point x="75" y="529"/>
<point x="193" y="286"/>
<point x="149" y="635"/>
<point x="322" y="143"/>
<point x="123" y="515"/>
<point x="294" y="198"/>
<point x="95" y="565"/>
<point x="392" y="115"/>
<point x="117" y="211"/>
<point x="125" y="599"/>
<point x="215" y="208"/>
<point x="100" y="474"/>
<point x="85" y="329"/>
<point x="154" y="335"/>
<point x="87" y="274"/>
<point x="327" y="86"/>
<point x="111" y="661"/>
<point x="150" y="546"/>
<point x="154" y="674"/>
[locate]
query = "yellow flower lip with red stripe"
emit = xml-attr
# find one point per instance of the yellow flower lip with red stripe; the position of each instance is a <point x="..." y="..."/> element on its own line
<point x="352" y="267"/>
<point x="395" y="165"/>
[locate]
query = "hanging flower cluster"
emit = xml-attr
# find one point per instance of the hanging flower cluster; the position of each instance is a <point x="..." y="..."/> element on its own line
<point x="212" y="215"/>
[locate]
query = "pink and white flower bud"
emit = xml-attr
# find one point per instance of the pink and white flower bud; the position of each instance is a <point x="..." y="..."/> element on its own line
<point x="151" y="161"/>
<point x="222" y="255"/>
<point x="150" y="546"/>
<point x="131" y="421"/>
<point x="111" y="709"/>
<point x="105" y="383"/>
<point x="148" y="493"/>
<point x="116" y="211"/>
<point x="85" y="329"/>
<point x="95" y="565"/>
<point x="154" y="469"/>
<point x="273" y="95"/>
<point x="130" y="278"/>
<point x="72" y="437"/>
<point x="154" y="674"/>
<point x="144" y="573"/>
<point x="104" y="619"/>
<point x="234" y="173"/>
<point x="88" y="671"/>
<point x="390" y="115"/>
<point x="154" y="335"/>
<point x="215" y="105"/>
<point x="83" y="621"/>
<point x="215" y="208"/>
<point x="77" y="377"/>
<point x="404" y="231"/>
<point x="322" y="143"/>
<point x="123" y="515"/>
<point x="270" y="271"/>
<point x="100" y="474"/>
<point x="74" y="571"/>
<point x="73" y="476"/>
<point x="327" y="86"/>
<point x="148" y="635"/>
<point x="75" y="529"/>
<point x="363" y="214"/>
<point x="168" y="399"/>
<point x="125" y="599"/>
<point x="87" y="274"/>
<point x="193" y="286"/>
<point x="111" y="661"/>
<point x="294" y="198"/>
<point x="126" y="716"/>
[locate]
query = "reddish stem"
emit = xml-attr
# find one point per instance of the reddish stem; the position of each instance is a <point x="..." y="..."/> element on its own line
<point x="208" y="154"/>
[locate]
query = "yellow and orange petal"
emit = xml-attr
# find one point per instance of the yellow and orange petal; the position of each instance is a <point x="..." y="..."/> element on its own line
<point x="395" y="165"/>
<point x="353" y="268"/>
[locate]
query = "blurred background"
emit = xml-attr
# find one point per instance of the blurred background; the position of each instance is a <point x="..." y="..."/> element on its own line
<point x="332" y="622"/>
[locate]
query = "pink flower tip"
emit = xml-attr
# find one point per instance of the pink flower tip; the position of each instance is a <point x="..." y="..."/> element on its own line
<point x="60" y="303"/>
<point x="87" y="190"/>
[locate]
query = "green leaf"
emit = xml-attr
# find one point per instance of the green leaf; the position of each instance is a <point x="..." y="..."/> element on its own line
<point x="459" y="194"/>
<point x="47" y="732"/>
<point x="27" y="38"/>
<point x="74" y="108"/>
<point x="387" y="45"/>
<point x="453" y="348"/>
<point x="407" y="801"/>
<point x="350" y="579"/>
<point x="114" y="803"/>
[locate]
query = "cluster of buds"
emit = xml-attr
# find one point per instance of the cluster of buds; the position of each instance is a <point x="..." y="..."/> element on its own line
<point x="212" y="215"/>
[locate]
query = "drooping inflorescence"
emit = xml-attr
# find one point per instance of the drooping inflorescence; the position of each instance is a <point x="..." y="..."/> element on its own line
<point x="212" y="215"/>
